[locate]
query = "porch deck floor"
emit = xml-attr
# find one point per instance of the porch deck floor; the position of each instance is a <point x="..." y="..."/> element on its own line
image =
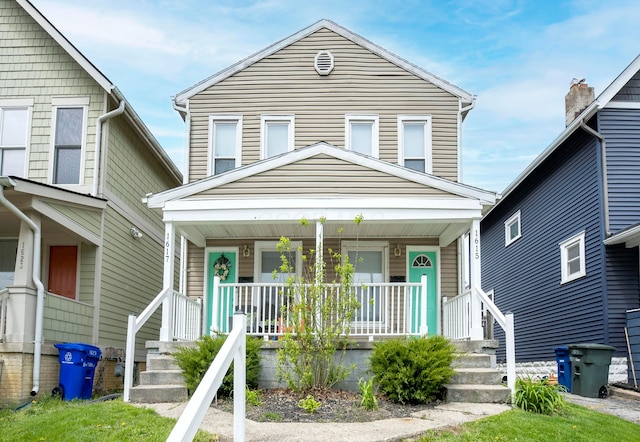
<point x="448" y="414"/>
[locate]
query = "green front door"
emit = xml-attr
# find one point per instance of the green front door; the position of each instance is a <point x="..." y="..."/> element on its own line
<point x="223" y="264"/>
<point x="423" y="263"/>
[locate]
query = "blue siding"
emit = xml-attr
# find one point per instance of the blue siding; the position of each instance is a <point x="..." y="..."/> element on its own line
<point x="621" y="129"/>
<point x="557" y="201"/>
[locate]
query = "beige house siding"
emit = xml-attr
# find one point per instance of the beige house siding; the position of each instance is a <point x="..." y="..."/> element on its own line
<point x="34" y="66"/>
<point x="88" y="219"/>
<point x="322" y="175"/>
<point x="131" y="278"/>
<point x="132" y="170"/>
<point x="87" y="273"/>
<point x="66" y="320"/>
<point x="361" y="83"/>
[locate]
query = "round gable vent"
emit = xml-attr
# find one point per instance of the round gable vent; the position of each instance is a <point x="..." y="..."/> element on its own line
<point x="323" y="62"/>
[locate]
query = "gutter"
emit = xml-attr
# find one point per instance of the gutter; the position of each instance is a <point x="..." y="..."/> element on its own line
<point x="603" y="164"/>
<point x="37" y="238"/>
<point x="96" y="162"/>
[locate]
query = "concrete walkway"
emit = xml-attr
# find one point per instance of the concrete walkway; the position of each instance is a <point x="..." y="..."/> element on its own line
<point x="451" y="414"/>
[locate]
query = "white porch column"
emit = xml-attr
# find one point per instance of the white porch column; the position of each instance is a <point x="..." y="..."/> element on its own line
<point x="166" y="330"/>
<point x="475" y="332"/>
<point x="319" y="247"/>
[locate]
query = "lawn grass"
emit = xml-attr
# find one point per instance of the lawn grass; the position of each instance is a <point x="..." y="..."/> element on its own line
<point x="574" y="423"/>
<point x="55" y="420"/>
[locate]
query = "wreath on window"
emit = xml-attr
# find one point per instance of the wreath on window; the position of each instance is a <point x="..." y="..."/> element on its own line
<point x="221" y="268"/>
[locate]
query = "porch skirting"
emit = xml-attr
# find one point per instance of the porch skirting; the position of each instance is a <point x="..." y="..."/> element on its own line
<point x="540" y="369"/>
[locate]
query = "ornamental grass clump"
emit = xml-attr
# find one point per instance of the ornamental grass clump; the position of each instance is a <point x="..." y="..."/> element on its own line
<point x="412" y="370"/>
<point x="538" y="396"/>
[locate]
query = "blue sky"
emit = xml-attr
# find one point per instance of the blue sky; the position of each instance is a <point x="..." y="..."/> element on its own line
<point x="517" y="56"/>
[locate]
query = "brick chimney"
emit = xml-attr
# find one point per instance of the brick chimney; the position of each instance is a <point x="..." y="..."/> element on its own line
<point x="579" y="97"/>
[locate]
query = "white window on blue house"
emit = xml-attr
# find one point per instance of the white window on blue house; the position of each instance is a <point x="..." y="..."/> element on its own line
<point x="225" y="143"/>
<point x="512" y="230"/>
<point x="572" y="258"/>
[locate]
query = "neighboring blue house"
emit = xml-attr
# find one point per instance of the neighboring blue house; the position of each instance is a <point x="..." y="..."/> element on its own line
<point x="560" y="249"/>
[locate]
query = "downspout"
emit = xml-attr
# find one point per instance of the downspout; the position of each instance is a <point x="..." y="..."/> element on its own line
<point x="605" y="187"/>
<point x="187" y="120"/>
<point x="101" y="119"/>
<point x="461" y="111"/>
<point x="37" y="349"/>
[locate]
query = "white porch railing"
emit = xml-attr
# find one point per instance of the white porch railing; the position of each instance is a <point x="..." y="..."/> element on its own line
<point x="385" y="309"/>
<point x="4" y="297"/>
<point x="457" y="317"/>
<point x="234" y="350"/>
<point x="187" y="317"/>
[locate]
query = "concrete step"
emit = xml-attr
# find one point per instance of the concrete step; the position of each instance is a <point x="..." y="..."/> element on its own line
<point x="485" y="376"/>
<point x="151" y="394"/>
<point x="162" y="377"/>
<point x="162" y="362"/>
<point x="488" y="346"/>
<point x="477" y="393"/>
<point x="472" y="360"/>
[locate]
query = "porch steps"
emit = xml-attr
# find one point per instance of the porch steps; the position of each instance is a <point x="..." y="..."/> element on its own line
<point x="163" y="380"/>
<point x="476" y="379"/>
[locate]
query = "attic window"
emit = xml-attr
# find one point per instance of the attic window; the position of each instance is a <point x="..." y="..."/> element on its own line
<point x="324" y="62"/>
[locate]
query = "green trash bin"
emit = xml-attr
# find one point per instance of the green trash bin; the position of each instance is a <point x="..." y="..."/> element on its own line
<point x="590" y="369"/>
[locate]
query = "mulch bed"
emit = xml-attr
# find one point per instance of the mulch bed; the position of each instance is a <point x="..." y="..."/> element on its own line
<point x="281" y="405"/>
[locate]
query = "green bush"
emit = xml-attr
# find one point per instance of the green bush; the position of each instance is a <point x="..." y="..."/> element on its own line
<point x="538" y="396"/>
<point x="195" y="361"/>
<point x="412" y="370"/>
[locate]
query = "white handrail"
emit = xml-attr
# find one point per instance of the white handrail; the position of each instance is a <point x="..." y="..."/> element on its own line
<point x="506" y="321"/>
<point x="233" y="350"/>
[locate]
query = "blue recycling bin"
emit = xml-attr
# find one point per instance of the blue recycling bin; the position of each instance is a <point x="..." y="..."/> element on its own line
<point x="564" y="366"/>
<point x="77" y="367"/>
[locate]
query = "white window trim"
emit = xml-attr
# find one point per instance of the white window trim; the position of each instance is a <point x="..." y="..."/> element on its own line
<point x="515" y="218"/>
<point x="22" y="103"/>
<point x="564" y="245"/>
<point x="61" y="102"/>
<point x="428" y="147"/>
<point x="264" y="120"/>
<point x="348" y="119"/>
<point x="272" y="246"/>
<point x="210" y="147"/>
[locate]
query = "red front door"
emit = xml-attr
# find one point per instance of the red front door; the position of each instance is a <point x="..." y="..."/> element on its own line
<point x="63" y="265"/>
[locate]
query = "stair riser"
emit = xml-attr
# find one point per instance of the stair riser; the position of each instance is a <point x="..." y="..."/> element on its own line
<point x="493" y="378"/>
<point x="478" y="396"/>
<point x="472" y="361"/>
<point x="161" y="378"/>
<point x="162" y="393"/>
<point x="162" y="363"/>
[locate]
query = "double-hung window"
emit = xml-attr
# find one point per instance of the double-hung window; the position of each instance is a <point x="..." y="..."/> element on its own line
<point x="572" y="258"/>
<point x="361" y="134"/>
<point x="14" y="133"/>
<point x="225" y="143"/>
<point x="277" y="134"/>
<point x="70" y="121"/>
<point x="512" y="229"/>
<point x="414" y="142"/>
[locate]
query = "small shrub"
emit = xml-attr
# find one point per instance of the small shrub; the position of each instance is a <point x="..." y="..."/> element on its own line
<point x="195" y="361"/>
<point x="253" y="397"/>
<point x="412" y="370"/>
<point x="538" y="396"/>
<point x="309" y="404"/>
<point x="368" y="401"/>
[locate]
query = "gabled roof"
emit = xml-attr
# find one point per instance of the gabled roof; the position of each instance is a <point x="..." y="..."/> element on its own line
<point x="104" y="83"/>
<point x="599" y="103"/>
<point x="181" y="97"/>
<point x="159" y="199"/>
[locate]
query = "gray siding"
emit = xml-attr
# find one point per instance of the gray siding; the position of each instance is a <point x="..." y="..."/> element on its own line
<point x="623" y="291"/>
<point x="361" y="83"/>
<point x="621" y="129"/>
<point x="630" y="91"/>
<point x="557" y="201"/>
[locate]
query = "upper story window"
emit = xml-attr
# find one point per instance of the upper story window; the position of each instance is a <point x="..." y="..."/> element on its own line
<point x="277" y="134"/>
<point x="361" y="134"/>
<point x="69" y="135"/>
<point x="512" y="229"/>
<point x="572" y="258"/>
<point x="414" y="142"/>
<point x="14" y="135"/>
<point x="225" y="143"/>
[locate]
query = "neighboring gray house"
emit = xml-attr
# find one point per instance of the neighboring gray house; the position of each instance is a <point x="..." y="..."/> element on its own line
<point x="75" y="161"/>
<point x="560" y="249"/>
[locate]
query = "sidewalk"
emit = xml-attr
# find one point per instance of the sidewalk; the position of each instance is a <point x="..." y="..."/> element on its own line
<point x="450" y="414"/>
